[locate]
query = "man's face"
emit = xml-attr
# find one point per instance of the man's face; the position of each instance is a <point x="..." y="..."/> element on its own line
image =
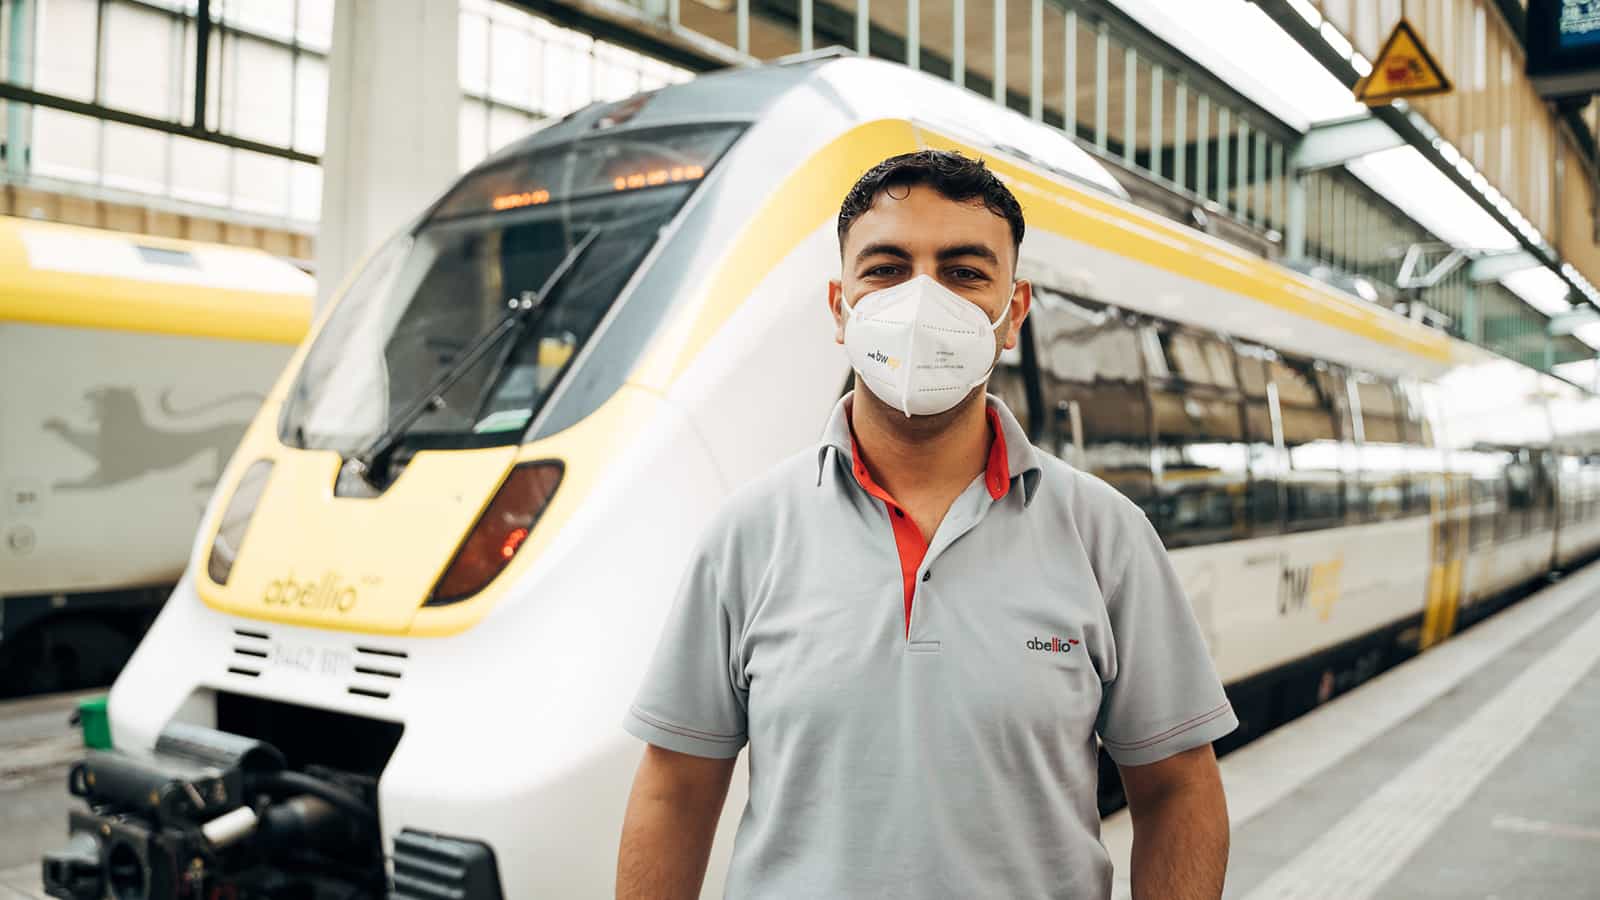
<point x="918" y="231"/>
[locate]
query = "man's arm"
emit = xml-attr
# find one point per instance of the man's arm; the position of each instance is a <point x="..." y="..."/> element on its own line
<point x="671" y="819"/>
<point x="1180" y="827"/>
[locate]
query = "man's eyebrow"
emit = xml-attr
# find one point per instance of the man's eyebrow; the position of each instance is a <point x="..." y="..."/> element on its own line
<point x="884" y="249"/>
<point x="981" y="251"/>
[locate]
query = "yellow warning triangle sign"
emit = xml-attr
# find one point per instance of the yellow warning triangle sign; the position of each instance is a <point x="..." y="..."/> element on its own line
<point x="1404" y="68"/>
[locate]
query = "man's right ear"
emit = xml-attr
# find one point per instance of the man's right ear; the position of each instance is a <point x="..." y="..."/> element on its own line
<point x="836" y="306"/>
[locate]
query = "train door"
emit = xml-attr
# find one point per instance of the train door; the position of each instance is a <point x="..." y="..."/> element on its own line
<point x="1450" y="505"/>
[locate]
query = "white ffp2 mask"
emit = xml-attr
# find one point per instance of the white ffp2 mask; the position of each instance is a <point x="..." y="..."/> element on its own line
<point x="919" y="346"/>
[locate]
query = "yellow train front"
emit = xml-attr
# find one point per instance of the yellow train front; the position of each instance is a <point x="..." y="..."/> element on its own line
<point x="431" y="577"/>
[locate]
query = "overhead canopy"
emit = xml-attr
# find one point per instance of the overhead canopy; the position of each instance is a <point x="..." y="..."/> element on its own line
<point x="1238" y="43"/>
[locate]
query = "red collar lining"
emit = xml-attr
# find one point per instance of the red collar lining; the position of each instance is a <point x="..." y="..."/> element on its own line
<point x="997" y="472"/>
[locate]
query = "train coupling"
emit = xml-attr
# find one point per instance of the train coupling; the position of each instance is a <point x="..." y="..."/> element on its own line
<point x="208" y="815"/>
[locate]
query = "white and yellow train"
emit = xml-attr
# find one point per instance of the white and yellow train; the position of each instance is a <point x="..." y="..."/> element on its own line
<point x="434" y="571"/>
<point x="130" y="366"/>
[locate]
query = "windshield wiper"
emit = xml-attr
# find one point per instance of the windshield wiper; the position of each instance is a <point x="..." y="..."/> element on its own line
<point x="372" y="464"/>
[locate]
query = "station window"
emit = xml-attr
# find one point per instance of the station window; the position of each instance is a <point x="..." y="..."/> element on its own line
<point x="1312" y="442"/>
<point x="1092" y="385"/>
<point x="1199" y="440"/>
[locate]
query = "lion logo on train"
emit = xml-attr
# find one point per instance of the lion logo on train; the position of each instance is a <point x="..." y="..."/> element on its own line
<point x="125" y="445"/>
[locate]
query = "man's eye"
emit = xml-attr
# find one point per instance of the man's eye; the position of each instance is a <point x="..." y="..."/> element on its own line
<point x="880" y="272"/>
<point x="965" y="274"/>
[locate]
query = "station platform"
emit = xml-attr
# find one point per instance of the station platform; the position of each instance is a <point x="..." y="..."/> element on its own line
<point x="37" y="746"/>
<point x="1469" y="771"/>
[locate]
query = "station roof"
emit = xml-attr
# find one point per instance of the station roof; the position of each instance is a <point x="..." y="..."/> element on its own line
<point x="1237" y="41"/>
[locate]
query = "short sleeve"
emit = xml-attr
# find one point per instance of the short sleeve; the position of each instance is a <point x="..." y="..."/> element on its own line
<point x="1165" y="697"/>
<point x="690" y="700"/>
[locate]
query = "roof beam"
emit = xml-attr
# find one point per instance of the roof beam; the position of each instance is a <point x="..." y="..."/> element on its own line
<point x="1495" y="266"/>
<point x="1336" y="143"/>
<point x="1569" y="322"/>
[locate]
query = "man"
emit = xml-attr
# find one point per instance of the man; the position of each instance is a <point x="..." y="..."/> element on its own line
<point x="921" y="626"/>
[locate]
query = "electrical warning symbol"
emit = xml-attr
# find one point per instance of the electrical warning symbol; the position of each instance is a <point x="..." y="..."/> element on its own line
<point x="1403" y="69"/>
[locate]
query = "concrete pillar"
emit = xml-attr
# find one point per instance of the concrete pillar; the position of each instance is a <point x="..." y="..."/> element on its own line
<point x="1294" y="226"/>
<point x="1472" y="328"/>
<point x="394" y="100"/>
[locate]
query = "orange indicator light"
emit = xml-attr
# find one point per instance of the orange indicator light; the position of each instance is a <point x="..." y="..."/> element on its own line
<point x="634" y="180"/>
<point x="526" y="198"/>
<point x="513" y="541"/>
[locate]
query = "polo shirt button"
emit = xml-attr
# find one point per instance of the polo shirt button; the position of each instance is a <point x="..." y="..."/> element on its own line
<point x="900" y="512"/>
<point x="928" y="575"/>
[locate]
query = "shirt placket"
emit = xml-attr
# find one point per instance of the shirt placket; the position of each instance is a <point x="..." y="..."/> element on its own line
<point x="911" y="548"/>
<point x="964" y="515"/>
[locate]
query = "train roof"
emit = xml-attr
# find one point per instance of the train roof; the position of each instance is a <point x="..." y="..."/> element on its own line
<point x="863" y="88"/>
<point x="868" y="89"/>
<point x="71" y="276"/>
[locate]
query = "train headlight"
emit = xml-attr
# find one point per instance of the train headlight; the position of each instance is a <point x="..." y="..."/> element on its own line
<point x="499" y="532"/>
<point x="236" y="520"/>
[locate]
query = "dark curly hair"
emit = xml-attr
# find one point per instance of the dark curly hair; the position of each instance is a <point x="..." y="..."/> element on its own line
<point x="957" y="177"/>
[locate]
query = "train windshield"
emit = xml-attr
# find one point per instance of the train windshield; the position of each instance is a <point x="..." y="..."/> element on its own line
<point x="491" y="243"/>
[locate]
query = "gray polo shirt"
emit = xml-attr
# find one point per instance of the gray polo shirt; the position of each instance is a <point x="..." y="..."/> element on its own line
<point x="928" y="736"/>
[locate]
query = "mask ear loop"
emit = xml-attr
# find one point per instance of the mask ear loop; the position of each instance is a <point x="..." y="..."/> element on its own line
<point x="994" y="327"/>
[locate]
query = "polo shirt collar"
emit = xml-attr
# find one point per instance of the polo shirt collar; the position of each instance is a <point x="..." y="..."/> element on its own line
<point x="1020" y="459"/>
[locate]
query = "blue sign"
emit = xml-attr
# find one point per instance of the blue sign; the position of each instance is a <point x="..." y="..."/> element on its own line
<point x="1578" y="25"/>
<point x="1563" y="43"/>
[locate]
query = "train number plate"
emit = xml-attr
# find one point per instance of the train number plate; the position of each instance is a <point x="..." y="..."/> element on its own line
<point x="311" y="658"/>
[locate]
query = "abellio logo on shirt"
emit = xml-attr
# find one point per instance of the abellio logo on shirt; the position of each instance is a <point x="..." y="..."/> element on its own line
<point x="1053" y="644"/>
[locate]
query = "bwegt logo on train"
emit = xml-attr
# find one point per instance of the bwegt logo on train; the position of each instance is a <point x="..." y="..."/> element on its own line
<point x="328" y="593"/>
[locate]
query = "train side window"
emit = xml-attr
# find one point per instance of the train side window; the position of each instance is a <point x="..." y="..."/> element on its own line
<point x="1339" y="391"/>
<point x="1193" y="358"/>
<point x="1009" y="382"/>
<point x="1591" y="482"/>
<point x="1487" y="494"/>
<point x="1199" y="442"/>
<point x="1517" y="476"/>
<point x="1267" y="464"/>
<point x="1384" y="475"/>
<point x="1542" y="511"/>
<point x="1591" y="487"/>
<point x="1092" y="383"/>
<point x="1570" y="480"/>
<point x="1309" y="436"/>
<point x="1426" y="463"/>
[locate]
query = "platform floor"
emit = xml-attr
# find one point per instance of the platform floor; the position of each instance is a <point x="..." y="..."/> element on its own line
<point x="37" y="745"/>
<point x="1472" y="771"/>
